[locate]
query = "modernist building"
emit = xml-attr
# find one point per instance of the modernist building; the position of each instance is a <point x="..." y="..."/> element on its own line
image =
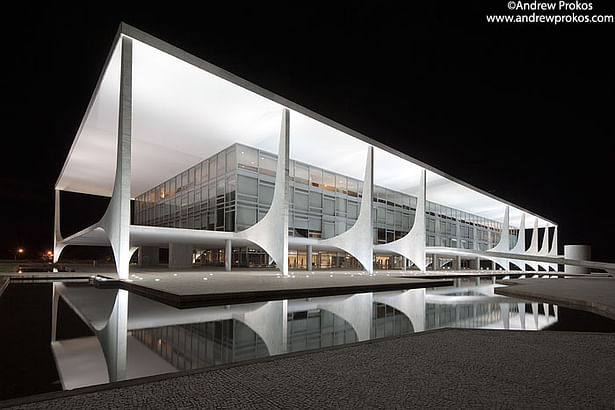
<point x="221" y="171"/>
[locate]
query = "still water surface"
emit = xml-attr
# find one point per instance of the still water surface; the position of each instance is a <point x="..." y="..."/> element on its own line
<point x="163" y="339"/>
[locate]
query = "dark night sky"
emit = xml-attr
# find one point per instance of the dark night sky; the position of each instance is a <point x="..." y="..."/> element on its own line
<point x="522" y="111"/>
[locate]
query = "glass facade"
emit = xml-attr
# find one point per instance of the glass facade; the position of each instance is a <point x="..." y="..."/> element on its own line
<point x="470" y="315"/>
<point x="313" y="329"/>
<point x="206" y="344"/>
<point x="233" y="189"/>
<point x="196" y="345"/>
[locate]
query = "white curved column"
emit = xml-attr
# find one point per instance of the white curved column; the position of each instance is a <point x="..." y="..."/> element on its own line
<point x="553" y="250"/>
<point x="271" y="232"/>
<point x="358" y="240"/>
<point x="270" y="322"/>
<point x="410" y="302"/>
<point x="504" y="243"/>
<point x="116" y="220"/>
<point x="412" y="245"/>
<point x="58" y="246"/>
<point x="533" y="248"/>
<point x="519" y="247"/>
<point x="544" y="249"/>
<point x="505" y="309"/>
<point x="55" y="298"/>
<point x="113" y="337"/>
<point x="522" y="314"/>
<point x="356" y="310"/>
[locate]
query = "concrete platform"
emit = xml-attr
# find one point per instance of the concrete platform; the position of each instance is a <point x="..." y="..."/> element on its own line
<point x="596" y="295"/>
<point x="443" y="274"/>
<point x="190" y="288"/>
<point x="445" y="368"/>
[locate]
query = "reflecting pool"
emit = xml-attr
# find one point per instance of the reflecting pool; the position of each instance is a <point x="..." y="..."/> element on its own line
<point x="86" y="335"/>
<point x="162" y="339"/>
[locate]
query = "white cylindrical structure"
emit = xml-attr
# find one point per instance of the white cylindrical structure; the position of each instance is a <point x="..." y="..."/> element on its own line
<point x="308" y="262"/>
<point x="228" y="251"/>
<point x="577" y="252"/>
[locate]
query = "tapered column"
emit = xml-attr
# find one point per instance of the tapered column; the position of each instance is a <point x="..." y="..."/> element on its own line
<point x="55" y="298"/>
<point x="519" y="247"/>
<point x="308" y="262"/>
<point x="57" y="233"/>
<point x="504" y="244"/>
<point x="522" y="314"/>
<point x="227" y="255"/>
<point x="356" y="310"/>
<point x="358" y="240"/>
<point x="116" y="221"/>
<point x="544" y="249"/>
<point x="505" y="308"/>
<point x="553" y="250"/>
<point x="271" y="232"/>
<point x="270" y="322"/>
<point x="412" y="245"/>
<point x="533" y="248"/>
<point x="535" y="314"/>
<point x="113" y="337"/>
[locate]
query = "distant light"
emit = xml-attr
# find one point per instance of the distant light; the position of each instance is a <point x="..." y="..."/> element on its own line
<point x="205" y="278"/>
<point x="175" y="274"/>
<point x="330" y="276"/>
<point x="157" y="279"/>
<point x="20" y="250"/>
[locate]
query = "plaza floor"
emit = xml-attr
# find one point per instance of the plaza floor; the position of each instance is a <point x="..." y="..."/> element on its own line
<point x="199" y="287"/>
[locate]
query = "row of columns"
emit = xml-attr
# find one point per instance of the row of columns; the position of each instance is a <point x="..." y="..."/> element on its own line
<point x="271" y="233"/>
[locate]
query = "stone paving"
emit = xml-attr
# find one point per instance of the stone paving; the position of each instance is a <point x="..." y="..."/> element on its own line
<point x="447" y="368"/>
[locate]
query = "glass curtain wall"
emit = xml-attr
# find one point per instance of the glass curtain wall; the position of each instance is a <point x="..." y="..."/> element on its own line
<point x="233" y="189"/>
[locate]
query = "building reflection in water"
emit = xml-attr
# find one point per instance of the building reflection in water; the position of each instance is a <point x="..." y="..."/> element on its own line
<point x="160" y="338"/>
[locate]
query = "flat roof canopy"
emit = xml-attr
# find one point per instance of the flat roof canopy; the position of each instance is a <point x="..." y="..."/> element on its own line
<point x="185" y="110"/>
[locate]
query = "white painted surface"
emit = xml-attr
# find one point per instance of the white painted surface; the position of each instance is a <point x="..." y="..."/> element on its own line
<point x="80" y="362"/>
<point x="183" y="113"/>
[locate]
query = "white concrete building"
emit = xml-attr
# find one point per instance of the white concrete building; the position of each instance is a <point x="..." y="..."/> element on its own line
<point x="223" y="171"/>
